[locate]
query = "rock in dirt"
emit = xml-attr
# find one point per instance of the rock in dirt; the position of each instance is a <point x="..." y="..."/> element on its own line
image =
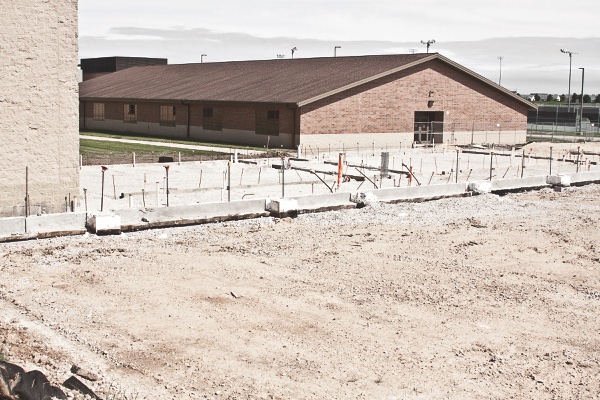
<point x="84" y="373"/>
<point x="75" y="384"/>
<point x="16" y="384"/>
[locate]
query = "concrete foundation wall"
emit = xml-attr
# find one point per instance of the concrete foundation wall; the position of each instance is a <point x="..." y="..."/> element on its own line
<point x="38" y="105"/>
<point x="42" y="226"/>
<point x="323" y="202"/>
<point x="136" y="219"/>
<point x="531" y="182"/>
<point x="585" y="177"/>
<point x="420" y="192"/>
<point x="242" y="137"/>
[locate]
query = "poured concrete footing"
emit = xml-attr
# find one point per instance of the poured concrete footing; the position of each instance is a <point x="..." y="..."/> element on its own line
<point x="42" y="226"/>
<point x="108" y="223"/>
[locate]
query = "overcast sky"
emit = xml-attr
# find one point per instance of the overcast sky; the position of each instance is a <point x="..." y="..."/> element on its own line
<point x="527" y="34"/>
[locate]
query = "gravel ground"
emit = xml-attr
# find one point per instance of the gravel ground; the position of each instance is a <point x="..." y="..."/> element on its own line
<point x="485" y="297"/>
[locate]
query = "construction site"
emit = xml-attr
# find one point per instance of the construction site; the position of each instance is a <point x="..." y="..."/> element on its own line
<point x="273" y="282"/>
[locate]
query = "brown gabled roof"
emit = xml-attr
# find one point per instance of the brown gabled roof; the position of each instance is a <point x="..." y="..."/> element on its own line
<point x="293" y="81"/>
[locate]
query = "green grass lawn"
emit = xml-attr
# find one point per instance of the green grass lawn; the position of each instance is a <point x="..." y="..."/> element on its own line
<point x="88" y="147"/>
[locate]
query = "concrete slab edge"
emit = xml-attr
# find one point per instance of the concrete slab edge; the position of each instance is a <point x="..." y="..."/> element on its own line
<point x="13" y="229"/>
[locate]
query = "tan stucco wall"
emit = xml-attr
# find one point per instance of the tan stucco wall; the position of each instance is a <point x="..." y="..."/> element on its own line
<point x="38" y="104"/>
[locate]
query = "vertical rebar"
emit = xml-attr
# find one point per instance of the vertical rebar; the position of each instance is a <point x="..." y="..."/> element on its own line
<point x="102" y="191"/>
<point x="457" y="153"/>
<point x="167" y="183"/>
<point x="26" y="191"/>
<point x="229" y="181"/>
<point x="282" y="177"/>
<point x="550" y="161"/>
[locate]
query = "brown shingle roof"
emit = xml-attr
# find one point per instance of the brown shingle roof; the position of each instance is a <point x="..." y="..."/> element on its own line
<point x="293" y="81"/>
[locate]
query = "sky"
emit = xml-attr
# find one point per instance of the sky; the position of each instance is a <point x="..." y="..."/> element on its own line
<point x="528" y="35"/>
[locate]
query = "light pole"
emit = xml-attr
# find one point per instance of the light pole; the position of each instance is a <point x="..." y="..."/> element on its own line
<point x="202" y="58"/>
<point x="428" y="43"/>
<point x="570" y="53"/>
<point x="500" y="79"/>
<point x="581" y="116"/>
<point x="335" y="50"/>
<point x="294" y="49"/>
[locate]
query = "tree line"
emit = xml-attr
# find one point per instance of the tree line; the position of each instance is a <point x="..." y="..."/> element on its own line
<point x="575" y="98"/>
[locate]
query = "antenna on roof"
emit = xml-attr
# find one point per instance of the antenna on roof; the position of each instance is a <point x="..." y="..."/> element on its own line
<point x="412" y="51"/>
<point x="280" y="55"/>
<point x="335" y="50"/>
<point x="294" y="49"/>
<point x="202" y="58"/>
<point x="428" y="43"/>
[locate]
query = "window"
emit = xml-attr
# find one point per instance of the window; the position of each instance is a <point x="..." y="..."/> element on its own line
<point x="267" y="122"/>
<point x="212" y="120"/>
<point x="98" y="111"/>
<point x="130" y="113"/>
<point x="167" y="115"/>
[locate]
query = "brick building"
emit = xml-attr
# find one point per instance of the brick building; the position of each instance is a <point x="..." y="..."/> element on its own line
<point x="38" y="106"/>
<point x="380" y="100"/>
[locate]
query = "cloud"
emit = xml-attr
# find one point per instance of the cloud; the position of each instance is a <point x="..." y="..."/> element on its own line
<point x="530" y="64"/>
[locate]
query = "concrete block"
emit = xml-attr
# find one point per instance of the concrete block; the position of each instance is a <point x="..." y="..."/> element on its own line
<point x="363" y="198"/>
<point x="559" y="180"/>
<point x="480" y="187"/>
<point x="105" y="224"/>
<point x="280" y="206"/>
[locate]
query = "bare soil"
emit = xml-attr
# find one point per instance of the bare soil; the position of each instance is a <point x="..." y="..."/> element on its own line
<point x="477" y="298"/>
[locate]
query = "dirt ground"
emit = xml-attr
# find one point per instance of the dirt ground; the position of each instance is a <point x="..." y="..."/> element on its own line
<point x="485" y="297"/>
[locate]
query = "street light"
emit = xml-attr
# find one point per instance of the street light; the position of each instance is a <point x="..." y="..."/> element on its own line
<point x="335" y="50"/>
<point x="202" y="58"/>
<point x="428" y="43"/>
<point x="294" y="49"/>
<point x="581" y="116"/>
<point x="500" y="79"/>
<point x="570" y="53"/>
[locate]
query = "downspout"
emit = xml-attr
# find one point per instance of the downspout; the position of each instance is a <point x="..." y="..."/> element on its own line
<point x="296" y="130"/>
<point x="188" y="120"/>
<point x="83" y="112"/>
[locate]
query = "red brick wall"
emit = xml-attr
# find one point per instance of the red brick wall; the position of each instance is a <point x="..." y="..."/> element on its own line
<point x="236" y="117"/>
<point x="388" y="104"/>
